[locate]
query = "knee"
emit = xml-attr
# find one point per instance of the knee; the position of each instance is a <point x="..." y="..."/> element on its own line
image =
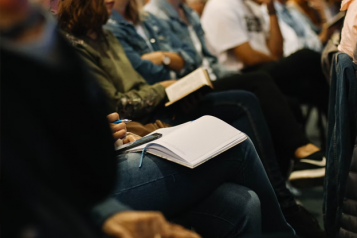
<point x="245" y="207"/>
<point x="245" y="98"/>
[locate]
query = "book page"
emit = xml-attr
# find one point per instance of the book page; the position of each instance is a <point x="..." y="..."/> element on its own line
<point x="187" y="85"/>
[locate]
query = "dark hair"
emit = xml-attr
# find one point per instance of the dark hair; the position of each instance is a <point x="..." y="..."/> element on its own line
<point x="81" y="17"/>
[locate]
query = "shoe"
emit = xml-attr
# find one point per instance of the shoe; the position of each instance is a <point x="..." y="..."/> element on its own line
<point x="309" y="171"/>
<point x="303" y="222"/>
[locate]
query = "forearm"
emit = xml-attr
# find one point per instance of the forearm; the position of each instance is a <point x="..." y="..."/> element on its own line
<point x="275" y="42"/>
<point x="260" y="58"/>
<point x="177" y="63"/>
<point x="249" y="56"/>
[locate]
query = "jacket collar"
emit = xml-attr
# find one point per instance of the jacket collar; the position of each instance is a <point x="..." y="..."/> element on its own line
<point x="167" y="8"/>
<point x="118" y="18"/>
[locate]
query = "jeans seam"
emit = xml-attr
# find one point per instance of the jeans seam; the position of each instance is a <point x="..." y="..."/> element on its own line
<point x="152" y="181"/>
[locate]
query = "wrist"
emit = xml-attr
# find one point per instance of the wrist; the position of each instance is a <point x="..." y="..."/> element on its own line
<point x="166" y="61"/>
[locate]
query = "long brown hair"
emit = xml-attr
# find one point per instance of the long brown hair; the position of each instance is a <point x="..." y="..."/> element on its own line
<point x="134" y="11"/>
<point x="81" y="17"/>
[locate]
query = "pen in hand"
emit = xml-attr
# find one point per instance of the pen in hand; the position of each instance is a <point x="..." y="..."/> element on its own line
<point x="126" y="121"/>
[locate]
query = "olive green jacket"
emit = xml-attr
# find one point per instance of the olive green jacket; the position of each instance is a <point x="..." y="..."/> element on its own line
<point x="127" y="92"/>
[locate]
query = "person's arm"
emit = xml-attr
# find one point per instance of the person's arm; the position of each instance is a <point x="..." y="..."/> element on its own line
<point x="186" y="51"/>
<point x="151" y="72"/>
<point x="275" y="41"/>
<point x="132" y="104"/>
<point x="157" y="57"/>
<point x="134" y="224"/>
<point x="249" y="57"/>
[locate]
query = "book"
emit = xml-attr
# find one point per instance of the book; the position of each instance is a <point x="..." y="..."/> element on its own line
<point x="187" y="85"/>
<point x="337" y="19"/>
<point x="193" y="143"/>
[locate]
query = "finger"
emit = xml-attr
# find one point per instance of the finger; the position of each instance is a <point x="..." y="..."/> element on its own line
<point x="118" y="127"/>
<point x="113" y="117"/>
<point x="117" y="231"/>
<point x="129" y="139"/>
<point x="119" y="134"/>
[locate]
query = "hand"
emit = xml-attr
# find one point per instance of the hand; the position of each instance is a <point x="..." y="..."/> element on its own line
<point x="144" y="225"/>
<point x="118" y="130"/>
<point x="129" y="138"/>
<point x="168" y="83"/>
<point x="156" y="57"/>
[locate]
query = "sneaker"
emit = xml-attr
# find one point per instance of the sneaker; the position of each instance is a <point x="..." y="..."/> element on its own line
<point x="303" y="222"/>
<point x="309" y="171"/>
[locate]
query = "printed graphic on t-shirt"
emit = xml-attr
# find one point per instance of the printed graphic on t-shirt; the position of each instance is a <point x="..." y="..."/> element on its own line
<point x="253" y="24"/>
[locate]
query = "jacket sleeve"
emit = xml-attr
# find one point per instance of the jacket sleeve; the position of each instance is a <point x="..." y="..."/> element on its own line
<point x="151" y="72"/>
<point x="133" y="104"/>
<point x="107" y="208"/>
<point x="189" y="54"/>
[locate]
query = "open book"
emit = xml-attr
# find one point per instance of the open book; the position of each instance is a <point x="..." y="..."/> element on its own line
<point x="187" y="85"/>
<point x="194" y="143"/>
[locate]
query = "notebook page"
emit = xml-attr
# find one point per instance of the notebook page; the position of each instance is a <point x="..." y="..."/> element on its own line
<point x="206" y="135"/>
<point x="164" y="131"/>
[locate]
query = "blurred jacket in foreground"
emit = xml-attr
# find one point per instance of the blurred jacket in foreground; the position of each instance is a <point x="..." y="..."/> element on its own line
<point x="57" y="157"/>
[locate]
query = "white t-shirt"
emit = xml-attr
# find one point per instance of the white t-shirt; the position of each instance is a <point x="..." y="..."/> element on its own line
<point x="230" y="23"/>
<point x="198" y="46"/>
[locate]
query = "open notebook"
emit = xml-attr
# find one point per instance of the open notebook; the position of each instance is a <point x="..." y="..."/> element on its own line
<point x="194" y="143"/>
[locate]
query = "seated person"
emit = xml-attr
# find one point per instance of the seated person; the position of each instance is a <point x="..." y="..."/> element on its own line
<point x="64" y="164"/>
<point x="122" y="93"/>
<point x="179" y="189"/>
<point x="296" y="31"/>
<point x="245" y="44"/>
<point x="313" y="10"/>
<point x="348" y="42"/>
<point x="282" y="124"/>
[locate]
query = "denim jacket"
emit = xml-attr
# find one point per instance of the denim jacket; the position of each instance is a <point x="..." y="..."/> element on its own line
<point x="161" y="39"/>
<point x="342" y="131"/>
<point x="164" y="10"/>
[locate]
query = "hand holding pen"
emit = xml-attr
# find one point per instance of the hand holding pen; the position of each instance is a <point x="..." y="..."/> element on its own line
<point x="118" y="128"/>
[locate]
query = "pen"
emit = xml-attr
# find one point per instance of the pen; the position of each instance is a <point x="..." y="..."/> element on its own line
<point x="126" y="121"/>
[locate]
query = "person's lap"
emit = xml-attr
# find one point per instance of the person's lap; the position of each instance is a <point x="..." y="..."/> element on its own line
<point x="171" y="188"/>
<point x="241" y="109"/>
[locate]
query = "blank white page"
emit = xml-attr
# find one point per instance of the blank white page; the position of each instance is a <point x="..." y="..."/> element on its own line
<point x="207" y="135"/>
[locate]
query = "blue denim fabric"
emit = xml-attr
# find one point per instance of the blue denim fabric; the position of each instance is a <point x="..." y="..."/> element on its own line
<point x="342" y="131"/>
<point x="164" y="10"/>
<point x="161" y="39"/>
<point x="215" y="204"/>
<point x="242" y="110"/>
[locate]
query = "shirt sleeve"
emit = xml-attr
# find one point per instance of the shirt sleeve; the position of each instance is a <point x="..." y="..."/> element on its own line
<point x="102" y="211"/>
<point x="186" y="51"/>
<point x="224" y="27"/>
<point x="133" y="104"/>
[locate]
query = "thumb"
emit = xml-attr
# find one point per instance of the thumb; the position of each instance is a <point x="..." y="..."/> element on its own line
<point x="119" y="232"/>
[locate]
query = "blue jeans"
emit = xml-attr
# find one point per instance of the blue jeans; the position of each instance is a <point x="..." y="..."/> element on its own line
<point x="242" y="110"/>
<point x="211" y="197"/>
